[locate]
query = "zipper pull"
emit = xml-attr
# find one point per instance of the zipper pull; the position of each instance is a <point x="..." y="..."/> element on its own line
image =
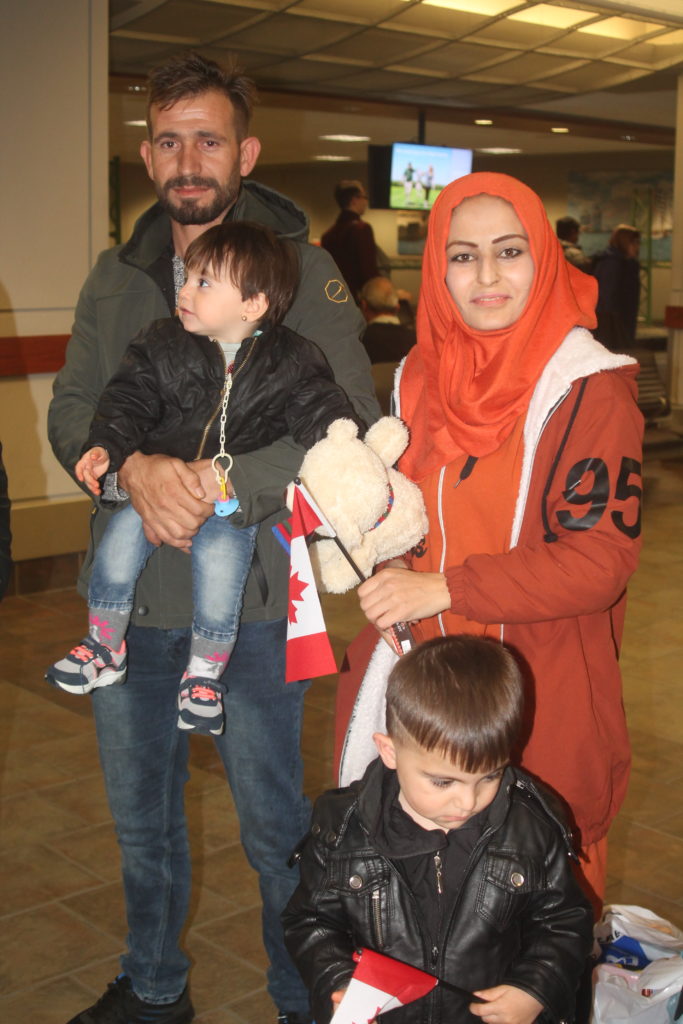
<point x="438" y="866"/>
<point x="435" y="955"/>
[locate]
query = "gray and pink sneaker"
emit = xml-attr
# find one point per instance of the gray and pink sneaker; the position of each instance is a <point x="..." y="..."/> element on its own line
<point x="87" y="666"/>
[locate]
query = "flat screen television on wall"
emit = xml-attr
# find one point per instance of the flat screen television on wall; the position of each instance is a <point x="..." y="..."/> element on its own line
<point x="409" y="176"/>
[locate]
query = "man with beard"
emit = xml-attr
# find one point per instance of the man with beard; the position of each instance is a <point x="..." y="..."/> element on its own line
<point x="197" y="154"/>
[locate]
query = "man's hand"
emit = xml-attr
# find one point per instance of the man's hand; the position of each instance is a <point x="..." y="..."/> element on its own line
<point x="505" y="1004"/>
<point x="91" y="466"/>
<point x="168" y="496"/>
<point x="402" y="595"/>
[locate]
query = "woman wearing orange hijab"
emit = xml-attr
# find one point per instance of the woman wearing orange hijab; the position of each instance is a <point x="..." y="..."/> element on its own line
<point x="526" y="443"/>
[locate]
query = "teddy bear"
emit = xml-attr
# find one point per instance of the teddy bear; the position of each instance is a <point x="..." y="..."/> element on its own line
<point x="376" y="512"/>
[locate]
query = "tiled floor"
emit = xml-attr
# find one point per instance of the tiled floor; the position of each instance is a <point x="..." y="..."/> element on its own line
<point x="61" y="915"/>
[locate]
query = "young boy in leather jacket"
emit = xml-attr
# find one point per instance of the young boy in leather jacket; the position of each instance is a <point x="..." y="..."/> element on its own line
<point x="444" y="856"/>
<point x="223" y="378"/>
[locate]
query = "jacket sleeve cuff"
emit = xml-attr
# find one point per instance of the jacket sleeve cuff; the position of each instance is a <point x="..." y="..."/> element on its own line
<point x="112" y="491"/>
<point x="455" y="580"/>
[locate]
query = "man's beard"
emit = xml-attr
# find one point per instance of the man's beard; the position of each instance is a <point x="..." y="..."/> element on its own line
<point x="189" y="211"/>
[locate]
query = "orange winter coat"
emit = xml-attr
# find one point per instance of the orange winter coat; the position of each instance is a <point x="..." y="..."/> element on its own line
<point x="558" y="595"/>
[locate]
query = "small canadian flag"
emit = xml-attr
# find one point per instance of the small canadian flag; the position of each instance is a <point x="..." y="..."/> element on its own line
<point x="380" y="983"/>
<point x="309" y="653"/>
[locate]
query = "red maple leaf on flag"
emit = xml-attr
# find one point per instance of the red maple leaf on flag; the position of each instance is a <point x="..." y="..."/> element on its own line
<point x="296" y="590"/>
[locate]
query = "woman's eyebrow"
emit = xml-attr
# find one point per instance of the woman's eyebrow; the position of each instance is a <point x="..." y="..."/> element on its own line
<point x="458" y="241"/>
<point x="506" y="238"/>
<point x="494" y="241"/>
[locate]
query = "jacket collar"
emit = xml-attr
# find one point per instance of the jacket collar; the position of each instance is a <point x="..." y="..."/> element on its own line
<point x="399" y="837"/>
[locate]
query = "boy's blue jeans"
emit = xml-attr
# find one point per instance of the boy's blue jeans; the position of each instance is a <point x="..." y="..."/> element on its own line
<point x="221" y="558"/>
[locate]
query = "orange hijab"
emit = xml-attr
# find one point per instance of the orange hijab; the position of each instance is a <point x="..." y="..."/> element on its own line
<point x="463" y="390"/>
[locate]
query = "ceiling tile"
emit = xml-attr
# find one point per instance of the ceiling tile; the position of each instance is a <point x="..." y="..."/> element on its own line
<point x="378" y="46"/>
<point x="452" y="24"/>
<point x="593" y="76"/>
<point x="192" y="17"/>
<point x="661" y="52"/>
<point x="515" y="34"/>
<point x="579" y="44"/>
<point x="367" y="12"/>
<point x="285" y="34"/>
<point x="457" y="58"/>
<point x="526" y="68"/>
<point x="296" y="72"/>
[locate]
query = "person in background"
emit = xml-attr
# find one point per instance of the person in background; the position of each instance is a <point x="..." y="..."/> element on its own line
<point x="197" y="154"/>
<point x="351" y="241"/>
<point x="568" y="230"/>
<point x="385" y="338"/>
<point x="445" y="857"/>
<point x="525" y="439"/>
<point x="5" y="533"/>
<point x="618" y="272"/>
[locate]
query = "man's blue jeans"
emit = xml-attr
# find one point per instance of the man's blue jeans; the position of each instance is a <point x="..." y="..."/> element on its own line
<point x="221" y="559"/>
<point x="144" y="759"/>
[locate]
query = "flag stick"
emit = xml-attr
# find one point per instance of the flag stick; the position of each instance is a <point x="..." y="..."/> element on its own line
<point x="400" y="632"/>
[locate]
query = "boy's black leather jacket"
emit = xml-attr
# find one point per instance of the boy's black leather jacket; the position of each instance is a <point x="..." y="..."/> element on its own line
<point x="166" y="395"/>
<point x="519" y="919"/>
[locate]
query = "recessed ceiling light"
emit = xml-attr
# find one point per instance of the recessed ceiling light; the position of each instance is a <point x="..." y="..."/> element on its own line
<point x="551" y="17"/>
<point x="490" y="8"/>
<point x="627" y="138"/>
<point x="345" y="138"/>
<point x="483" y="120"/>
<point x="136" y="124"/>
<point x="137" y="88"/>
<point x="621" y="28"/>
<point x="332" y="157"/>
<point x="560" y="131"/>
<point x="498" y="151"/>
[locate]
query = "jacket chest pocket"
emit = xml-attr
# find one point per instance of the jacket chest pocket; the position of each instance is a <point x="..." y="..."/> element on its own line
<point x="363" y="885"/>
<point x="507" y="882"/>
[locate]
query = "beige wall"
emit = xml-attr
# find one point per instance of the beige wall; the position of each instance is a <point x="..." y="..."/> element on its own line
<point x="54" y="214"/>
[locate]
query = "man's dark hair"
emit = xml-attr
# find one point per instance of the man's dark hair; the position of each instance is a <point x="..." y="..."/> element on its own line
<point x="566" y="228"/>
<point x="462" y="696"/>
<point x="345" y="191"/>
<point x="254" y="258"/>
<point x="189" y="74"/>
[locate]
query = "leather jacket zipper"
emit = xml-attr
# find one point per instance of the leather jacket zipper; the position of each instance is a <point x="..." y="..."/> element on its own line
<point x="212" y="418"/>
<point x="376" y="905"/>
<point x="438" y="865"/>
<point x="483" y="840"/>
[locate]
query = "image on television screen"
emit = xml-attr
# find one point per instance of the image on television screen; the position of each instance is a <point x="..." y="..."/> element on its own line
<point x="418" y="173"/>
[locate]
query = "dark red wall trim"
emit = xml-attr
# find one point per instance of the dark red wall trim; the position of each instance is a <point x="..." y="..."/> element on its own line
<point x="37" y="353"/>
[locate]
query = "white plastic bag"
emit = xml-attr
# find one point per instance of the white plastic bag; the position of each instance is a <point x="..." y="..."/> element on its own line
<point x="651" y="996"/>
<point x="634" y="937"/>
<point x="640" y="977"/>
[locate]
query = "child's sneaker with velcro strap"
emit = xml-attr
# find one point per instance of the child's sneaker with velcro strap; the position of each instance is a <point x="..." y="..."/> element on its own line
<point x="200" y="705"/>
<point x="87" y="666"/>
